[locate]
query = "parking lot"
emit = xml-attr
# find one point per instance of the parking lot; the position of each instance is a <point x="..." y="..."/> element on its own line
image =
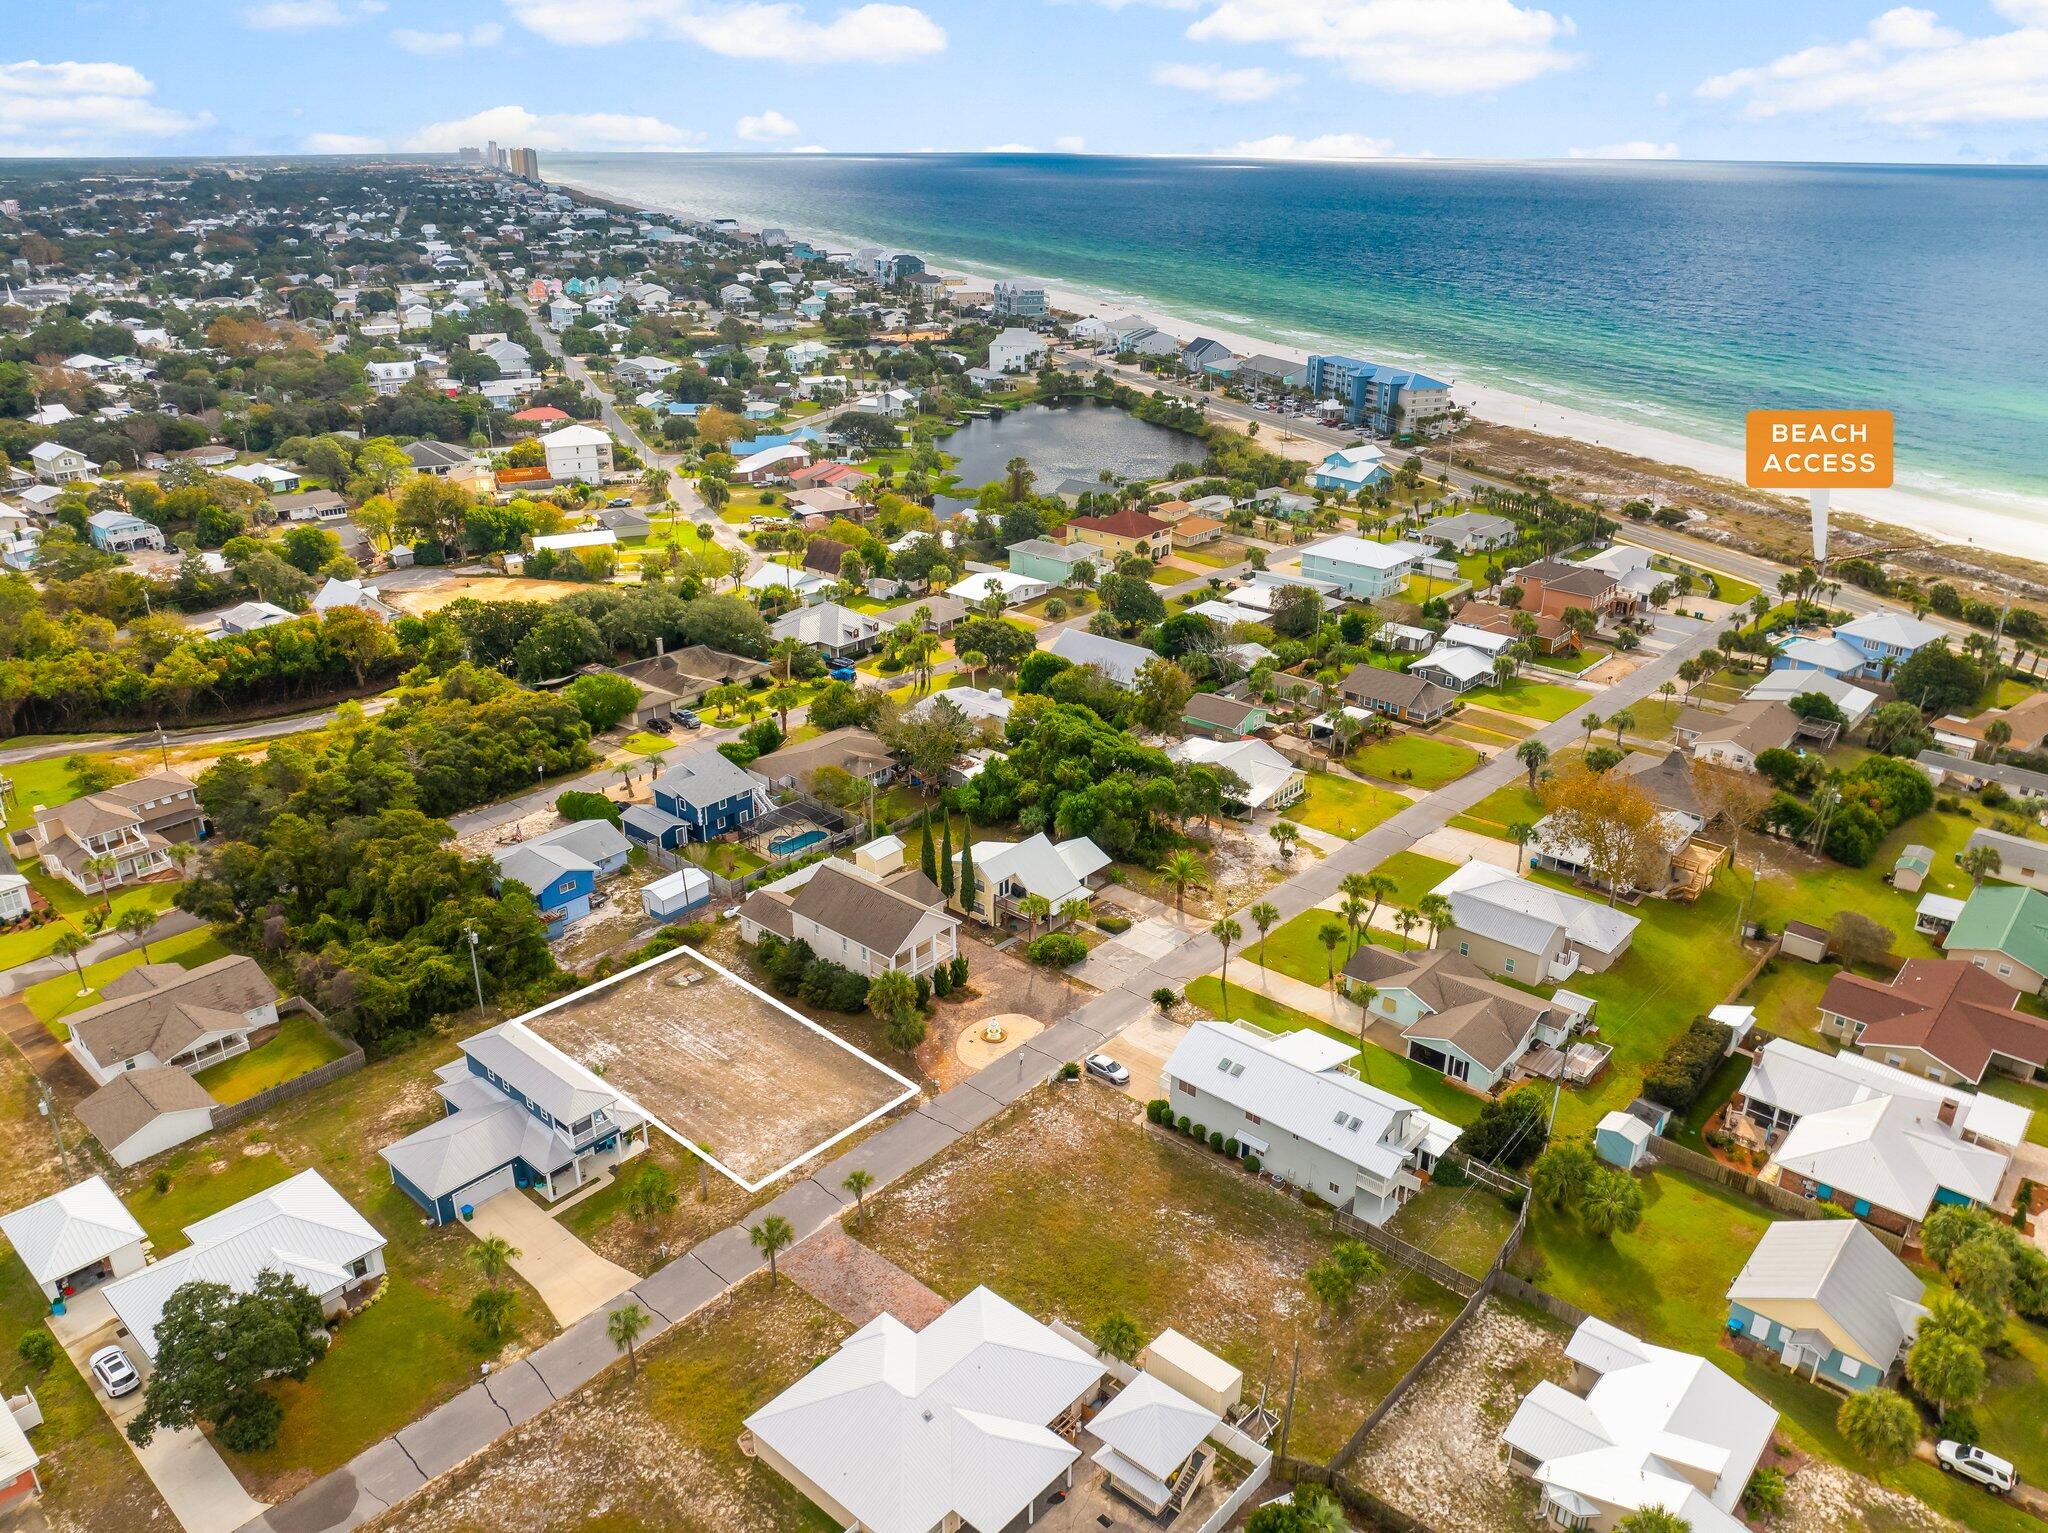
<point x="720" y="1065"/>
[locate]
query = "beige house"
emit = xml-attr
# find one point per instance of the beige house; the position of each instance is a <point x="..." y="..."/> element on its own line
<point x="131" y="825"/>
<point x="164" y="1014"/>
<point x="860" y="920"/>
<point x="1008" y="872"/>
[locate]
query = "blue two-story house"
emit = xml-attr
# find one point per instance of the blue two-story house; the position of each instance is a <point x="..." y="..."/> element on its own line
<point x="700" y="798"/>
<point x="563" y="866"/>
<point x="520" y="1114"/>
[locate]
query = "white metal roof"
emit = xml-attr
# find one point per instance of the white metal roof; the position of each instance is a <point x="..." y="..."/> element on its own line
<point x="905" y="1429"/>
<point x="1892" y="1151"/>
<point x="1867" y="1292"/>
<point x="1457" y="662"/>
<point x="1058" y="871"/>
<point x="1899" y="629"/>
<point x="1493" y="902"/>
<point x="1264" y="770"/>
<point x="575" y="435"/>
<point x="1119" y="661"/>
<point x="1154" y="1425"/>
<point x="1360" y="551"/>
<point x="58" y="1235"/>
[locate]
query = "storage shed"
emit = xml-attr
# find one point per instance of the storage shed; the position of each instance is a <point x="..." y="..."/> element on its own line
<point x="676" y="895"/>
<point x="1803" y="940"/>
<point x="1622" y="1139"/>
<point x="1194" y="1371"/>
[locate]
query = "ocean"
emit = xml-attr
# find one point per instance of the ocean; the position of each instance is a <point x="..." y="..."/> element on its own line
<point x="1667" y="296"/>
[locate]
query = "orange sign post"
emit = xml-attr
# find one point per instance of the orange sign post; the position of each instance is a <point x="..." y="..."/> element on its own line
<point x="1818" y="451"/>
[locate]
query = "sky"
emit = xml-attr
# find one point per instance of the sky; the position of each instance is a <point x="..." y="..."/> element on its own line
<point x="1812" y="80"/>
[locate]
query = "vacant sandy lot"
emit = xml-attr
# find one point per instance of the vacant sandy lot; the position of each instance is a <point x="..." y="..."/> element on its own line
<point x="718" y="1065"/>
<point x="432" y="597"/>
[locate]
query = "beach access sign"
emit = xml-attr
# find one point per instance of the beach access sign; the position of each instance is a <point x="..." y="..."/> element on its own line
<point x="1820" y="449"/>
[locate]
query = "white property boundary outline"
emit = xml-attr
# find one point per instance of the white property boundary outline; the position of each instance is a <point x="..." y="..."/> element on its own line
<point x="910" y="1090"/>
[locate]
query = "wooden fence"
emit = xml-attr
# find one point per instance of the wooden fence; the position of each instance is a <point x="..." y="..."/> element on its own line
<point x="1437" y="1270"/>
<point x="227" y="1114"/>
<point x="1791" y="1205"/>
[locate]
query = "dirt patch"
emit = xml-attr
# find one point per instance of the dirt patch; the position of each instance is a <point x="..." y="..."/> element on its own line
<point x="1437" y="1456"/>
<point x="422" y="599"/>
<point x="717" y="1064"/>
<point x="857" y="1283"/>
<point x="1823" y="1497"/>
<point x="1002" y="985"/>
<point x="616" y="926"/>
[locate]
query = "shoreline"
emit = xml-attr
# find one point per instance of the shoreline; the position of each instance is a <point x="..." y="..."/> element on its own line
<point x="1954" y="524"/>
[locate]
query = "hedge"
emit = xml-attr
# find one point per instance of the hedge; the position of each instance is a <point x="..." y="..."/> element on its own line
<point x="1677" y="1079"/>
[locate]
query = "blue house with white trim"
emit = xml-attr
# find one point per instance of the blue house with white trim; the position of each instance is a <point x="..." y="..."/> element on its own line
<point x="700" y="798"/>
<point x="563" y="866"/>
<point x="1829" y="1299"/>
<point x="1389" y="400"/>
<point x="519" y="1114"/>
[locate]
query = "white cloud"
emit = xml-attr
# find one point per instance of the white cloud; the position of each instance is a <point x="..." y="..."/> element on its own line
<point x="781" y="30"/>
<point x="307" y="15"/>
<point x="554" y="130"/>
<point x="1630" y="149"/>
<point x="65" y="107"/>
<point x="1443" y="47"/>
<point x="1009" y="149"/>
<point x="1907" y="70"/>
<point x="1235" y="86"/>
<point x="769" y="127"/>
<point x="484" y="35"/>
<point x="1071" y="143"/>
<point x="343" y="143"/>
<point x="1324" y="146"/>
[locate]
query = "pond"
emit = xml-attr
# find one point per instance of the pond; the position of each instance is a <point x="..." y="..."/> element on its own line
<point x="1075" y="439"/>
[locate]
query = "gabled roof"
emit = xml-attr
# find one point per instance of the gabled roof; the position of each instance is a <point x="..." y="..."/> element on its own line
<point x="1119" y="661"/>
<point x="1347" y="549"/>
<point x="703" y="778"/>
<point x="908" y="1429"/>
<point x="1893" y="1151"/>
<point x="1058" y="871"/>
<point x="1493" y="902"/>
<point x="1125" y="523"/>
<point x="1398" y="689"/>
<point x="540" y="1072"/>
<point x="57" y="1235"/>
<point x="1264" y="770"/>
<point x="864" y="910"/>
<point x="2005" y="918"/>
<point x="1485" y="1019"/>
<point x="1868" y="1293"/>
<point x="134" y="1099"/>
<point x="178" y="1007"/>
<point x="1899" y="630"/>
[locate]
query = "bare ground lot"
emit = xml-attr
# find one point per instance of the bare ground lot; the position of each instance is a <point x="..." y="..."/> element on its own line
<point x="1068" y="1212"/>
<point x="421" y="592"/>
<point x="717" y="1064"/>
<point x="660" y="1453"/>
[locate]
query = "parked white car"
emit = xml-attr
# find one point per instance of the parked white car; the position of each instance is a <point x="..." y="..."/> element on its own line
<point x="1108" y="1069"/>
<point x="1973" y="1463"/>
<point x="116" y="1374"/>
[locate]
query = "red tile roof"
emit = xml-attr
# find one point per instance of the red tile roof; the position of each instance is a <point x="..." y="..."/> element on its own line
<point x="541" y="413"/>
<point x="1122" y="524"/>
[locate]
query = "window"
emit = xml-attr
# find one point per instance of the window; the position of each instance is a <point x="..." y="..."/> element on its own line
<point x="1334" y="1187"/>
<point x="1252" y="1117"/>
<point x="1510" y="966"/>
<point x="1464" y="950"/>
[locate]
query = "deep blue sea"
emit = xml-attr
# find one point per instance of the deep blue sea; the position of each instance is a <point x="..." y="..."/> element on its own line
<point x="1672" y="295"/>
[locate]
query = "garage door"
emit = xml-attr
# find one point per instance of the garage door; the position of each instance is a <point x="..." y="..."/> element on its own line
<point x="483" y="1188"/>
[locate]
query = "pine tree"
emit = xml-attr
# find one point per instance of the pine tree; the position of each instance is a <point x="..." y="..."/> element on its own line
<point x="967" y="886"/>
<point x="929" y="856"/>
<point x="946" y="853"/>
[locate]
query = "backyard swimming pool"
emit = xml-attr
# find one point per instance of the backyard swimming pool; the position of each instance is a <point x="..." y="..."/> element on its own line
<point x="795" y="841"/>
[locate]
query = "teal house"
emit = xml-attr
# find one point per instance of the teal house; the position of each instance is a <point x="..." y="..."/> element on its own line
<point x="1829" y="1300"/>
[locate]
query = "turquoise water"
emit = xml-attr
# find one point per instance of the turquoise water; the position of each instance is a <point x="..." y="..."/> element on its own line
<point x="1671" y="295"/>
<point x="784" y="846"/>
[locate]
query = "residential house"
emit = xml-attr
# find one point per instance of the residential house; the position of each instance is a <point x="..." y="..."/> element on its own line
<point x="17" y="899"/>
<point x="1271" y="781"/>
<point x="672" y="679"/>
<point x="1642" y="1427"/>
<point x="1016" y="351"/>
<point x="250" y="616"/>
<point x="1941" y="1018"/>
<point x="1679" y="865"/>
<point x="133" y="824"/>
<point x="1202" y="353"/>
<point x="840" y="633"/>
<point x="1222" y="718"/>
<point x="864" y="921"/>
<point x="2003" y="930"/>
<point x="1358" y="567"/>
<point x="517" y="1113"/>
<point x="1535" y="933"/>
<point x="578" y="452"/>
<point x="1124" y="532"/>
<point x="1263" y="370"/>
<point x="437" y="460"/>
<point x="119" y="532"/>
<point x="1471" y="532"/>
<point x="165" y="1014"/>
<point x="807" y="587"/>
<point x="352" y="593"/>
<point x="54" y="463"/>
<point x="561" y="867"/>
<point x="311" y="506"/>
<point x="301" y="1228"/>
<point x="2020" y="782"/>
<point x="1151" y="1438"/>
<point x="974" y="704"/>
<point x="1830" y="1300"/>
<point x="389" y="378"/>
<point x="1454" y="668"/>
<point x="2020" y="860"/>
<point x="1196" y="531"/>
<point x="1454" y="1018"/>
<point x="141" y="1113"/>
<point x="1543" y="635"/>
<point x="1883" y="1144"/>
<point x="827" y="502"/>
<point x="1392" y="401"/>
<point x="1014" y="590"/>
<point x="1119" y="661"/>
<point x="699" y="798"/>
<point x="270" y="478"/>
<point x="940" y="614"/>
<point x="1012" y="298"/>
<point x="1052" y="563"/>
<point x="75" y="1239"/>
<point x="1293" y="1101"/>
<point x="1784" y="685"/>
<point x="1888" y="639"/>
<point x="2027" y="719"/>
<point x="1397" y="694"/>
<point x="967" y="1423"/>
<point x="1554" y="587"/>
<point x="1736" y="738"/>
<point x="1349" y="470"/>
<point x="1007" y="872"/>
<point x="858" y="752"/>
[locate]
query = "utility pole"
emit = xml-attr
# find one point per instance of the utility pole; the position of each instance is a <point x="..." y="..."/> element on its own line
<point x="48" y="1109"/>
<point x="1287" y="1414"/>
<point x="475" y="970"/>
<point x="163" y="745"/>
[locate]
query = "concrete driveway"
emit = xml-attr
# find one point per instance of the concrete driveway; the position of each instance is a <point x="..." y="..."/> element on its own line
<point x="572" y="1279"/>
<point x="188" y="1472"/>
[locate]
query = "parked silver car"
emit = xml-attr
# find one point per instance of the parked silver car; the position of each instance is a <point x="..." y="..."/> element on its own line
<point x="1108" y="1069"/>
<point x="1989" y="1470"/>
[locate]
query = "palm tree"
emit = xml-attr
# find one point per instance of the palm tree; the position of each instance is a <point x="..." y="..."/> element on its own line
<point x="1590" y="723"/>
<point x="1980" y="863"/>
<point x="1532" y="754"/>
<point x="1263" y="915"/>
<point x="136" y="922"/>
<point x="1117" y="1335"/>
<point x="1407" y="920"/>
<point x="69" y="944"/>
<point x="1353" y="910"/>
<point x="1330" y="934"/>
<point x="1521" y="832"/>
<point x="973" y="662"/>
<point x="1365" y="995"/>
<point x="623" y="1326"/>
<point x="1034" y="908"/>
<point x="1284" y="836"/>
<point x="857" y="1182"/>
<point x="1622" y="720"/>
<point x="493" y="1256"/>
<point x="1182" y="870"/>
<point x="1226" y="931"/>
<point x="101" y="867"/>
<point x="1074" y="911"/>
<point x="770" y="1236"/>
<point x="1436" y="910"/>
<point x="783" y="653"/>
<point x="1379" y="888"/>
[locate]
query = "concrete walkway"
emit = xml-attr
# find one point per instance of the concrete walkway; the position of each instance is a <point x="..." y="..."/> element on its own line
<point x="572" y="1279"/>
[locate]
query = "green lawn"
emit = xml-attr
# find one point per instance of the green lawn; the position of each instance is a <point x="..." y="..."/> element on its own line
<point x="1492" y="815"/>
<point x="728" y="859"/>
<point x="1380" y="1066"/>
<point x="201" y="1182"/>
<point x="1465" y="1226"/>
<point x="1532" y="699"/>
<point x="1414" y="875"/>
<point x="1343" y="807"/>
<point x="1786" y="996"/>
<point x="52" y="999"/>
<point x="1688" y="1127"/>
<point x="301" y="1044"/>
<point x="644" y="743"/>
<point x="1422" y="761"/>
<point x="75" y="911"/>
<point x="1571" y="661"/>
<point x="2010" y="691"/>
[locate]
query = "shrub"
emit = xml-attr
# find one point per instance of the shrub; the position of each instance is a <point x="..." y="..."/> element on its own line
<point x="1449" y="1173"/>
<point x="1200" y="1131"/>
<point x="1180" y="1124"/>
<point x="251" y="1424"/>
<point x="959" y="970"/>
<point x="161" y="1182"/>
<point x="587" y="806"/>
<point x="1116" y="926"/>
<point x="1233" y="1149"/>
<point x="924" y="992"/>
<point x="942" y="981"/>
<point x="1058" y="950"/>
<point x="1164" y="998"/>
<point x="1070" y="1071"/>
<point x="37" y="1350"/>
<point x="1513" y="1202"/>
<point x="1510" y="1131"/>
<point x="1216" y="1140"/>
<point x="1677" y="1079"/>
<point x="1159" y="1110"/>
<point x="1961" y="1424"/>
<point x="1251" y="1164"/>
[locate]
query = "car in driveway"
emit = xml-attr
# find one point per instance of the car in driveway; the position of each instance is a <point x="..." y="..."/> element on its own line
<point x="116" y="1374"/>
<point x="1104" y="1068"/>
<point x="1995" y="1474"/>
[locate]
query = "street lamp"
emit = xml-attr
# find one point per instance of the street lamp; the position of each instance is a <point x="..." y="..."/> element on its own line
<point x="475" y="970"/>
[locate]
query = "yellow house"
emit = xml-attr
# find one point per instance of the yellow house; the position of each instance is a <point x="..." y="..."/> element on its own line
<point x="1124" y="532"/>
